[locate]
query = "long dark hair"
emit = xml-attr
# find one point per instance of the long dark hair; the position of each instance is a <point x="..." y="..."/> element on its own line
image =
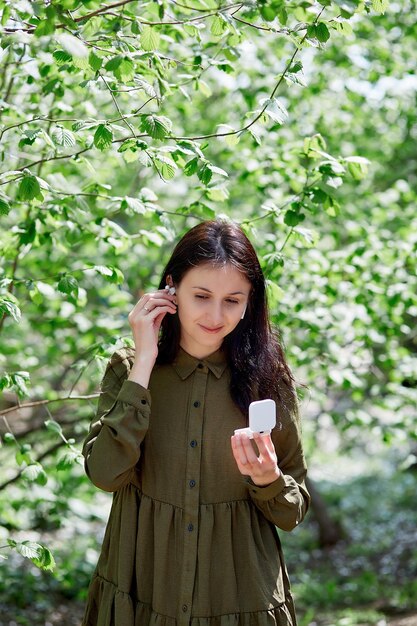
<point x="253" y="349"/>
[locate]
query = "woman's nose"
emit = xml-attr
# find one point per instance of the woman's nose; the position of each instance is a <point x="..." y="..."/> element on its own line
<point x="216" y="313"/>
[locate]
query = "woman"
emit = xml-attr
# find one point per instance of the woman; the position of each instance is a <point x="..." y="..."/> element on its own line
<point x="191" y="537"/>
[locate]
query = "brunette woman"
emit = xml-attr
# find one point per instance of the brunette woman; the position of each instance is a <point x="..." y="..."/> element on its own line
<point x="191" y="538"/>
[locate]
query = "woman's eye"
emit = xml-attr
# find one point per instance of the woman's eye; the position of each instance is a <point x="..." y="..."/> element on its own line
<point x="201" y="297"/>
<point x="232" y="301"/>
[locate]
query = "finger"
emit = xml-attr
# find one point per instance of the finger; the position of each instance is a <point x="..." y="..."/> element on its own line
<point x="156" y="299"/>
<point x="251" y="455"/>
<point x="245" y="450"/>
<point x="159" y="310"/>
<point x="155" y="303"/>
<point x="239" y="450"/>
<point x="265" y="445"/>
<point x="242" y="467"/>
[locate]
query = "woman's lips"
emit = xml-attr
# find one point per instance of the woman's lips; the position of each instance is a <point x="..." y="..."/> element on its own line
<point x="212" y="331"/>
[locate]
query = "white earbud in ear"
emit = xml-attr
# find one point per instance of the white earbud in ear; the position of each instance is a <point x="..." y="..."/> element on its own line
<point x="170" y="290"/>
<point x="244" y="311"/>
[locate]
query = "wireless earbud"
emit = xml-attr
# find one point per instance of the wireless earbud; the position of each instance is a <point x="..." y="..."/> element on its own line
<point x="170" y="290"/>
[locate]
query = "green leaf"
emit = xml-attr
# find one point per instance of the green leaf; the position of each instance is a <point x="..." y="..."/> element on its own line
<point x="111" y="273"/>
<point x="205" y="174"/>
<point x="19" y="383"/>
<point x="157" y="127"/>
<point x="217" y="170"/>
<point x="29" y="234"/>
<point x="380" y="6"/>
<point x="5" y="207"/>
<point x="267" y="13"/>
<point x="63" y="137"/>
<point x="61" y="57"/>
<point x="6" y="14"/>
<point x="8" y="305"/>
<point x="147" y="87"/>
<point x="69" y="285"/>
<point x="103" y="137"/>
<point x="68" y="459"/>
<point x="292" y="218"/>
<point x="38" y="554"/>
<point x="275" y="293"/>
<point x="29" y="188"/>
<point x="81" y="62"/>
<point x="204" y="88"/>
<point x="28" y="549"/>
<point x="357" y="166"/>
<point x="283" y="16"/>
<point x="8" y="438"/>
<point x="218" y="26"/>
<point x="149" y="38"/>
<point x="275" y="110"/>
<point x="231" y="139"/>
<point x="35" y="473"/>
<point x="168" y="167"/>
<point x="191" y="166"/>
<point x="296" y="67"/>
<point x="218" y="194"/>
<point x="95" y="61"/>
<point x="53" y="426"/>
<point x="125" y="71"/>
<point x="134" y="204"/>
<point x="45" y="560"/>
<point x="113" y="63"/>
<point x="322" y="32"/>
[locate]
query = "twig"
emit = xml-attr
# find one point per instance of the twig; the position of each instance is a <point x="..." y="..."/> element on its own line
<point x="130" y="127"/>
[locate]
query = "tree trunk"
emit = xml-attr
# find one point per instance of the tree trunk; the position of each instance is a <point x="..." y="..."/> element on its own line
<point x="330" y="531"/>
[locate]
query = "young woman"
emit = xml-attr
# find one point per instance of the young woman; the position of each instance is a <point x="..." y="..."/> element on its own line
<point x="191" y="538"/>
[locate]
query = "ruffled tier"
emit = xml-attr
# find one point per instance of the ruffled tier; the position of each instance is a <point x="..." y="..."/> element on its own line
<point x="237" y="566"/>
<point x="108" y="606"/>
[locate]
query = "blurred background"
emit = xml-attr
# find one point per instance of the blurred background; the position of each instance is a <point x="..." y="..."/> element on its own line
<point x="123" y="124"/>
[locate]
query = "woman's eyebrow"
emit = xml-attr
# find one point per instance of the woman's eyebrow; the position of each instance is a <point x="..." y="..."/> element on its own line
<point x="235" y="293"/>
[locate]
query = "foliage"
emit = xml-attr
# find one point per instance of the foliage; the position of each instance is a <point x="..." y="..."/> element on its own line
<point x="371" y="573"/>
<point x="124" y="124"/>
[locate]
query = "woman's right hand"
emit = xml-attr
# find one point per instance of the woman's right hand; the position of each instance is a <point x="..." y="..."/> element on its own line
<point x="145" y="321"/>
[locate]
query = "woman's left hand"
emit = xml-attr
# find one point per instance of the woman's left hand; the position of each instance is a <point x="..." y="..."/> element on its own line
<point x="262" y="469"/>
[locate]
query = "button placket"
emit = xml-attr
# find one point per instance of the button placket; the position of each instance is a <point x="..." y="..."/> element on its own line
<point x="192" y="492"/>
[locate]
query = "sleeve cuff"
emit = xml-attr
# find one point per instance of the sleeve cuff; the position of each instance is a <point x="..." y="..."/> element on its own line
<point x="134" y="394"/>
<point x="269" y="491"/>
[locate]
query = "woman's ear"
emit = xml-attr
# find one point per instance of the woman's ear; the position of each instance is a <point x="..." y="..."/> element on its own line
<point x="170" y="285"/>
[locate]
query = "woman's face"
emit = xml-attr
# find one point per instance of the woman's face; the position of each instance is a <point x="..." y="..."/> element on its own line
<point x="210" y="302"/>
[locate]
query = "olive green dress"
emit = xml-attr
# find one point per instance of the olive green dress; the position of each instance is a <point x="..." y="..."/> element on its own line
<point x="189" y="541"/>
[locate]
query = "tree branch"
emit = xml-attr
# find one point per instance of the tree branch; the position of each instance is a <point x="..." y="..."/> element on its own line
<point x="107" y="10"/>
<point x="26" y="405"/>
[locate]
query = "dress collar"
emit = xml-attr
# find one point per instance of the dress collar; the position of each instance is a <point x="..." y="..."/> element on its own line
<point x="185" y="364"/>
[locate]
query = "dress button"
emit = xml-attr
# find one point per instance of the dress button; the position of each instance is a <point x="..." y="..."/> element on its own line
<point x="184" y="608"/>
<point x="193" y="443"/>
<point x="197" y="404"/>
<point x="192" y="483"/>
<point x="200" y="365"/>
<point x="190" y="527"/>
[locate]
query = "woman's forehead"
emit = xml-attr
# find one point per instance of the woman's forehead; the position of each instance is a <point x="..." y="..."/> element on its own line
<point x="221" y="278"/>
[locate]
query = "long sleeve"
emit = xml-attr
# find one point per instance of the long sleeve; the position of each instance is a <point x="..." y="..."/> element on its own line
<point x="113" y="445"/>
<point x="285" y="501"/>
